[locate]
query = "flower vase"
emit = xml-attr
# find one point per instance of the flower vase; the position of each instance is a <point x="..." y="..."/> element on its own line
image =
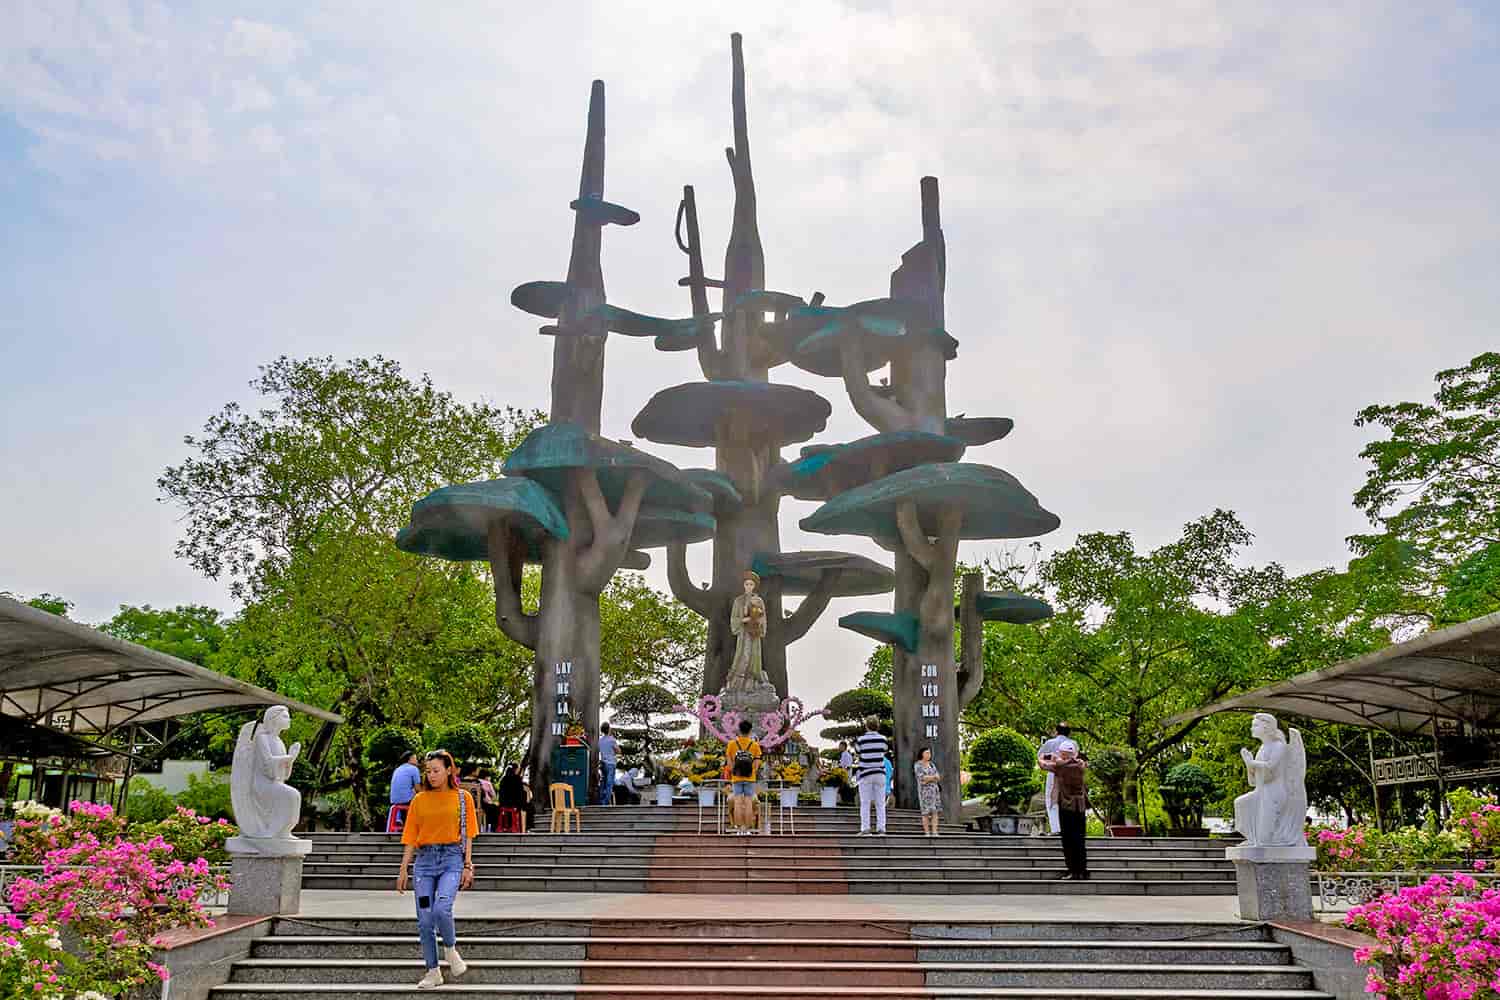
<point x="663" y="795"/>
<point x="830" y="797"/>
<point x="789" y="798"/>
<point x="706" y="796"/>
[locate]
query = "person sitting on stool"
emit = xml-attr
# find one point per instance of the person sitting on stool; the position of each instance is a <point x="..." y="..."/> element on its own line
<point x="404" y="785"/>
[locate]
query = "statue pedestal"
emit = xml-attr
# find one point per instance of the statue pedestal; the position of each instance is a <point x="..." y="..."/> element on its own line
<point x="751" y="703"/>
<point x="265" y="874"/>
<point x="1273" y="882"/>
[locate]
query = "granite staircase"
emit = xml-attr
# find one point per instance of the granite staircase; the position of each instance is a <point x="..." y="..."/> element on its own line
<point x="358" y="959"/>
<point x="645" y="849"/>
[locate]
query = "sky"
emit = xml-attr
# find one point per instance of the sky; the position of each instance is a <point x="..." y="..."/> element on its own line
<point x="1187" y="241"/>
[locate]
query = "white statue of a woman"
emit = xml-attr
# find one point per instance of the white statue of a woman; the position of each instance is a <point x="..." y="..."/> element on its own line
<point x="1274" y="811"/>
<point x="265" y="806"/>
<point x="747" y="623"/>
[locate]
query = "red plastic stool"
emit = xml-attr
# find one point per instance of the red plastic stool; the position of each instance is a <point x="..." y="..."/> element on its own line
<point x="511" y="821"/>
<point x="395" y="820"/>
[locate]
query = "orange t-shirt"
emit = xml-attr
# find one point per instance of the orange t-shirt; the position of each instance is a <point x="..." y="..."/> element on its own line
<point x="432" y="818"/>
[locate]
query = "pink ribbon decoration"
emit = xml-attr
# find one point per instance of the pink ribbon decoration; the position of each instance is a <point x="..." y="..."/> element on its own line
<point x="778" y="726"/>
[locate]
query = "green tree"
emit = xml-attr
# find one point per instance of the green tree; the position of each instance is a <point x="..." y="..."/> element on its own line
<point x="646" y="637"/>
<point x="637" y="708"/>
<point x="851" y="709"/>
<point x="1434" y="479"/>
<point x="342" y="448"/>
<point x="50" y="603"/>
<point x="1002" y="763"/>
<point x="297" y="504"/>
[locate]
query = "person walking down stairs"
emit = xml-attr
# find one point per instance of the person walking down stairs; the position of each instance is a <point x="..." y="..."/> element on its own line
<point x="440" y="829"/>
<point x="871" y="749"/>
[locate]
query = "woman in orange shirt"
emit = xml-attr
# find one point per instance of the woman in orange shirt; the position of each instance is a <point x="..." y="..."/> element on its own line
<point x="441" y="824"/>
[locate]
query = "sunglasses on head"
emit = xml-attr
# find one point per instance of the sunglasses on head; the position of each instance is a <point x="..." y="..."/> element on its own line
<point x="441" y="755"/>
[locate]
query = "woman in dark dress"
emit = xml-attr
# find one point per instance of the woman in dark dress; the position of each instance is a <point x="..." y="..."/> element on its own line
<point x="513" y="795"/>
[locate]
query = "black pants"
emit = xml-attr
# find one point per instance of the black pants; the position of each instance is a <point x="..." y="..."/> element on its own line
<point x="1074" y="853"/>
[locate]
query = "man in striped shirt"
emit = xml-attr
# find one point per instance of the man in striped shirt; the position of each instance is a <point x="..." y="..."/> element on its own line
<point x="870" y="749"/>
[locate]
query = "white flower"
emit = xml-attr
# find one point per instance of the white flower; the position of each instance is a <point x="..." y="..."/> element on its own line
<point x="55" y="943"/>
<point x="31" y="930"/>
<point x="91" y="995"/>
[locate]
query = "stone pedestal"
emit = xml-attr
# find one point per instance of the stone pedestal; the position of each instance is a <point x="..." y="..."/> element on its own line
<point x="751" y="704"/>
<point x="1273" y="882"/>
<point x="265" y="875"/>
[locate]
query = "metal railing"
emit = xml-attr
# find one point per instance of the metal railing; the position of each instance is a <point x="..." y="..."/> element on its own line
<point x="1336" y="892"/>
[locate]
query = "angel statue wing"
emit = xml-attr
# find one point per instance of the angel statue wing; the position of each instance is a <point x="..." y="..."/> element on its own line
<point x="1292" y="828"/>
<point x="241" y="775"/>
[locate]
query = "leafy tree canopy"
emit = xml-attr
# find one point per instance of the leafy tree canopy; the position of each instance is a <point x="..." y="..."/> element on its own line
<point x="1434" y="478"/>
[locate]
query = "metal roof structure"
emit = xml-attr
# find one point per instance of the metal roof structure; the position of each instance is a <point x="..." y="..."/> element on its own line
<point x="1449" y="674"/>
<point x="75" y="679"/>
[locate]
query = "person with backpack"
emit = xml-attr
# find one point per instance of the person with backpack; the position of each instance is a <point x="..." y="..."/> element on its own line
<point x="742" y="754"/>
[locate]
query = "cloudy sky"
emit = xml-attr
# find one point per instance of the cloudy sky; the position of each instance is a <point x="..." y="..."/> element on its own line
<point x="1186" y="241"/>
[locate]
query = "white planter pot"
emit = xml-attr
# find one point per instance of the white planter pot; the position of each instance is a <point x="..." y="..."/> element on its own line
<point x="706" y="796"/>
<point x="789" y="798"/>
<point x="663" y="795"/>
<point x="830" y="797"/>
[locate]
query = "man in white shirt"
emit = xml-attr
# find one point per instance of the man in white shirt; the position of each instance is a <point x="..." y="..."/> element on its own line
<point x="609" y="751"/>
<point x="1051" y="749"/>
<point x="846" y="759"/>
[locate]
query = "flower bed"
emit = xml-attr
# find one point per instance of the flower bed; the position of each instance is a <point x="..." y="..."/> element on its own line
<point x="1471" y="832"/>
<point x="1436" y="941"/>
<point x="108" y="891"/>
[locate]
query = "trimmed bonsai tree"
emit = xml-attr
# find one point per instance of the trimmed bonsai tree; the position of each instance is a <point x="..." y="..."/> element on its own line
<point x="1003" y="765"/>
<point x="636" y="722"/>
<point x="851" y="708"/>
<point x="468" y="742"/>
<point x="1185" y="790"/>
<point x="1111" y="777"/>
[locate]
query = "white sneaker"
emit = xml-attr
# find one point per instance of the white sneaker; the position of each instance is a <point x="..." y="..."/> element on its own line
<point x="431" y="981"/>
<point x="456" y="964"/>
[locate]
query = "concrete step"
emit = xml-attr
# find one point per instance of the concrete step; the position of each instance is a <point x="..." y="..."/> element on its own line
<point x="1071" y="930"/>
<point x="335" y="991"/>
<point x="732" y="868"/>
<point x="800" y="884"/>
<point x="559" y="947"/>
<point x="704" y="973"/>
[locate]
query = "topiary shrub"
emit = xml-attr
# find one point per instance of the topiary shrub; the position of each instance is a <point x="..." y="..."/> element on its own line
<point x="384" y="746"/>
<point x="851" y="708"/>
<point x="1185" y="790"/>
<point x="1003" y="765"/>
<point x="468" y="742"/>
<point x="1111" y="777"/>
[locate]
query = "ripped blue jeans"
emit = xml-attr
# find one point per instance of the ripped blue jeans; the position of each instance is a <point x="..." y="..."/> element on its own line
<point x="436" y="871"/>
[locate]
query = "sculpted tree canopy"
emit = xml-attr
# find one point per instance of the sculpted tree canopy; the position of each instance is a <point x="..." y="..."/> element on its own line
<point x="336" y="447"/>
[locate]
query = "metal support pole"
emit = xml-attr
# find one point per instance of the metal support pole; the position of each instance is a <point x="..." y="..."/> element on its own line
<point x="1374" y="785"/>
<point x="1437" y="761"/>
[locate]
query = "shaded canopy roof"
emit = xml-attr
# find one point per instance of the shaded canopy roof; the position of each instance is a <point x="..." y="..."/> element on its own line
<point x="994" y="504"/>
<point x="800" y="572"/>
<point x="454" y="522"/>
<point x="696" y="414"/>
<point x="75" y="678"/>
<point x="898" y="629"/>
<point x="1451" y="673"/>
<point x="550" y="452"/>
<point x="826" y="470"/>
